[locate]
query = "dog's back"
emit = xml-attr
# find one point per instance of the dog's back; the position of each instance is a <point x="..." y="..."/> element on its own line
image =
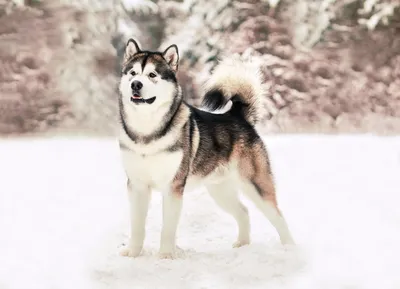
<point x="221" y="137"/>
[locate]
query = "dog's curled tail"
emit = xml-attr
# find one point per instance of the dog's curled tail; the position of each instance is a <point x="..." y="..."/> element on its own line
<point x="238" y="81"/>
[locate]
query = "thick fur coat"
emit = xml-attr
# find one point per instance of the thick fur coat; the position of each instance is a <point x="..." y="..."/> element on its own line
<point x="172" y="147"/>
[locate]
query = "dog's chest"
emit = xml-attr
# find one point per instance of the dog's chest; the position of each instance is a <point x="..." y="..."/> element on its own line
<point x="156" y="170"/>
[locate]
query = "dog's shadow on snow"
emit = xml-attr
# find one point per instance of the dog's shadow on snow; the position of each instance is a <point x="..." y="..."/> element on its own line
<point x="247" y="267"/>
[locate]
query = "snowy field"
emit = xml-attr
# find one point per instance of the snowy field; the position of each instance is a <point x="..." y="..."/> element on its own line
<point x="64" y="213"/>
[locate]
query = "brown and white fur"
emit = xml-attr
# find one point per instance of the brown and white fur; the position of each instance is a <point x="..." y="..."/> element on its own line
<point x="172" y="147"/>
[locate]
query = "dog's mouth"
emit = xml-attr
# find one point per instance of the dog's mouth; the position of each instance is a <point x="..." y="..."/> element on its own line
<point x="137" y="99"/>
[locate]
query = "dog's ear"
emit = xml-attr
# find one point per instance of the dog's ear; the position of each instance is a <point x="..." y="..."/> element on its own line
<point x="171" y="55"/>
<point x="132" y="47"/>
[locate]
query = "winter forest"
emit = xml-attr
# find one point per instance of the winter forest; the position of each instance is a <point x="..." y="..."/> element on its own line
<point x="329" y="66"/>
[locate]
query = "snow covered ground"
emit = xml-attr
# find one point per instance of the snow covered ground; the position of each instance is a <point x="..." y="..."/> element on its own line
<point x="63" y="215"/>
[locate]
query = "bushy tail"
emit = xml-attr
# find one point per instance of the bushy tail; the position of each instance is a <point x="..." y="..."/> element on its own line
<point x="237" y="81"/>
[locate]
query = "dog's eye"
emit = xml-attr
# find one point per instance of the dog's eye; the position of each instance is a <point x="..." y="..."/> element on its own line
<point x="152" y="75"/>
<point x="133" y="73"/>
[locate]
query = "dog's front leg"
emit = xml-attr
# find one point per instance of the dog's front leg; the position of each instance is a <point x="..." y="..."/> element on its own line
<point x="139" y="198"/>
<point x="172" y="207"/>
<point x="172" y="203"/>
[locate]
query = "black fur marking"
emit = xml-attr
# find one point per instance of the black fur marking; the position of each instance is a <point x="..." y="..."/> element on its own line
<point x="171" y="117"/>
<point x="144" y="61"/>
<point x="218" y="135"/>
<point x="258" y="189"/>
<point x="214" y="99"/>
<point x="127" y="67"/>
<point x="128" y="132"/>
<point x="180" y="178"/>
<point x="238" y="108"/>
<point x="191" y="129"/>
<point x="174" y="147"/>
<point x="135" y="43"/>
<point x="165" y="72"/>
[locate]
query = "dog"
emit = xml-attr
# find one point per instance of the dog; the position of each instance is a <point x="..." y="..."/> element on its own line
<point x="170" y="146"/>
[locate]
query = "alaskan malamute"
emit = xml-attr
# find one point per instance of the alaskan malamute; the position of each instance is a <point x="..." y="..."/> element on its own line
<point x="169" y="145"/>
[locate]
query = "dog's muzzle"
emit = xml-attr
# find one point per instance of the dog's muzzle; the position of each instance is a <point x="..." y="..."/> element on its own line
<point x="136" y="97"/>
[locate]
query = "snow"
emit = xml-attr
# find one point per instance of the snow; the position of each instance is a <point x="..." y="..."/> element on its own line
<point x="64" y="213"/>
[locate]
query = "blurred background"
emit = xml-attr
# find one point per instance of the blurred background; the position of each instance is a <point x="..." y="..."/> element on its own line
<point x="329" y="66"/>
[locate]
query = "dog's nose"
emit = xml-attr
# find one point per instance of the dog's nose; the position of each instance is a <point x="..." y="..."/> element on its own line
<point x="136" y="85"/>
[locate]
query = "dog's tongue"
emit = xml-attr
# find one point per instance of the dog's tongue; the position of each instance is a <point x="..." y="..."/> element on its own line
<point x="136" y="96"/>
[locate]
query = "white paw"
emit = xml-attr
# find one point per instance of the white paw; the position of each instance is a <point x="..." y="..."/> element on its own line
<point x="130" y="251"/>
<point x="241" y="243"/>
<point x="288" y="241"/>
<point x="168" y="254"/>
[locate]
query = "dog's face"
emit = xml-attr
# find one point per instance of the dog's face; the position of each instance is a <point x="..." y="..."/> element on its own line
<point x="149" y="78"/>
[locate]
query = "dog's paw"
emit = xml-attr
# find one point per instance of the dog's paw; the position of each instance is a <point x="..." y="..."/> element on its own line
<point x="288" y="241"/>
<point x="177" y="253"/>
<point x="130" y="251"/>
<point x="167" y="255"/>
<point x="241" y="243"/>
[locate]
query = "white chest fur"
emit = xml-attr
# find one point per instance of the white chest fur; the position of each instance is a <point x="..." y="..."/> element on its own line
<point x="156" y="171"/>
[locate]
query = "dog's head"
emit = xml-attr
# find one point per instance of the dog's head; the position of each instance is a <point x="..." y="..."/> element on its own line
<point x="148" y="77"/>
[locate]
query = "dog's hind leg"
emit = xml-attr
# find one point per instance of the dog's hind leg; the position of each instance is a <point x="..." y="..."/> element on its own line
<point x="258" y="185"/>
<point x="227" y="198"/>
<point x="261" y="191"/>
